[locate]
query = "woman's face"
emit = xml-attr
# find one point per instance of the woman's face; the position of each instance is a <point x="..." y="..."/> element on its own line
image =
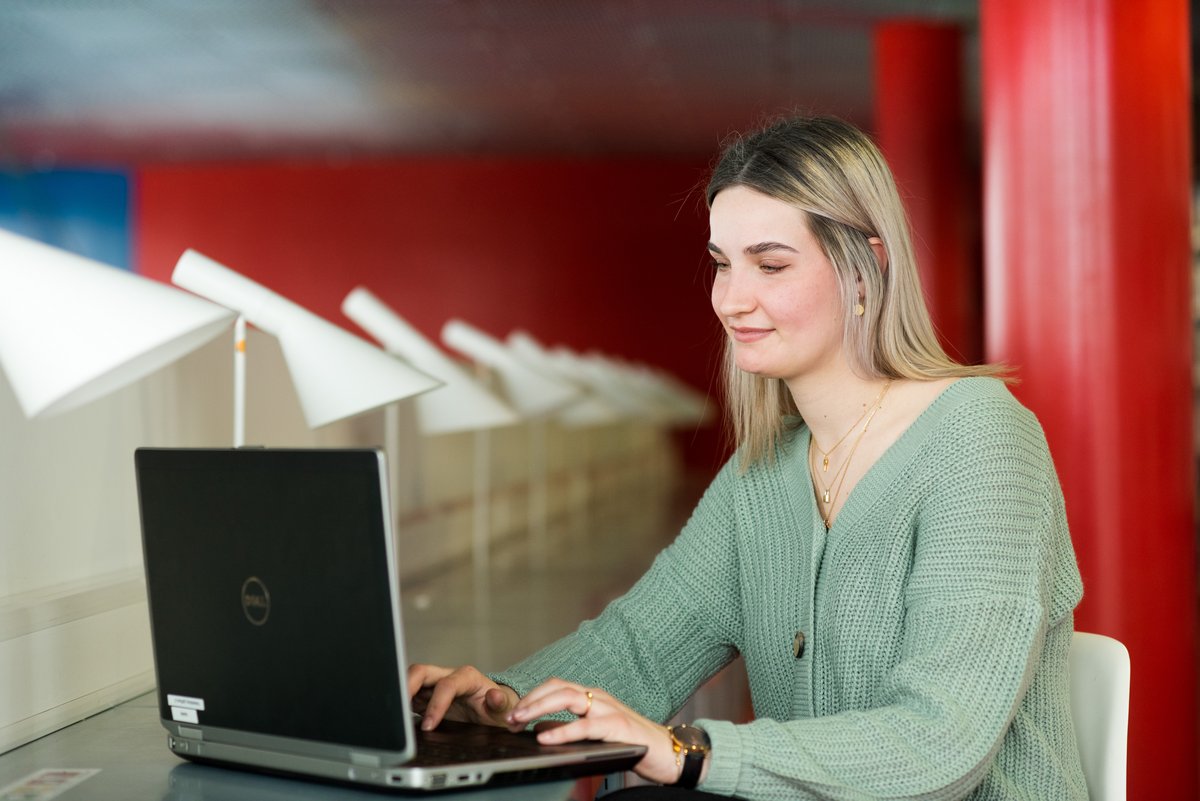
<point x="773" y="289"/>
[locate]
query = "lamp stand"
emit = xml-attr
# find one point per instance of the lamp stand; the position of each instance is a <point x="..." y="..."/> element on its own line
<point x="537" y="489"/>
<point x="391" y="450"/>
<point x="481" y="532"/>
<point x="239" y="382"/>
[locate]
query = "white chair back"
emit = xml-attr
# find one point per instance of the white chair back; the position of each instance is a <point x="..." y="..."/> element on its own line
<point x="1099" y="668"/>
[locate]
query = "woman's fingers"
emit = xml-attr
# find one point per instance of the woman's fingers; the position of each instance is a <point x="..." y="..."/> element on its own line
<point x="445" y="693"/>
<point x="599" y="716"/>
<point x="422" y="676"/>
<point x="548" y="700"/>
<point x="555" y="695"/>
<point x="460" y="694"/>
<point x="499" y="700"/>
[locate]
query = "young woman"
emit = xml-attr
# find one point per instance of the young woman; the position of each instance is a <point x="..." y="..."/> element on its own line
<point x="887" y="550"/>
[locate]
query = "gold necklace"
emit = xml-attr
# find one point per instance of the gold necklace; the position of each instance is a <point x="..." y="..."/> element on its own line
<point x="839" y="477"/>
<point x="826" y="453"/>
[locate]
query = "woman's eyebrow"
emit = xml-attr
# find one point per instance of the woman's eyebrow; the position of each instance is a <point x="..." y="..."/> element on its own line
<point x="765" y="247"/>
<point x="756" y="249"/>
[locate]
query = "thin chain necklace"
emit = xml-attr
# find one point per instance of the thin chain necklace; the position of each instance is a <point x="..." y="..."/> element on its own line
<point x="826" y="453"/>
<point x="839" y="476"/>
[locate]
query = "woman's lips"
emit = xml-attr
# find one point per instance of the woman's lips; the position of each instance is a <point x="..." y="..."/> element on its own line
<point x="742" y="334"/>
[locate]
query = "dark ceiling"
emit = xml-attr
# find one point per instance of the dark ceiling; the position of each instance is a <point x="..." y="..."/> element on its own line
<point x="127" y="80"/>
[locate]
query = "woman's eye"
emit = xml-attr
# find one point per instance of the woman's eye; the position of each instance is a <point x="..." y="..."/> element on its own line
<point x="771" y="268"/>
<point x="718" y="266"/>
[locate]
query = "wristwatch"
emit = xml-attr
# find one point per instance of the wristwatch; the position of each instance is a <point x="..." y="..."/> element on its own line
<point x="691" y="747"/>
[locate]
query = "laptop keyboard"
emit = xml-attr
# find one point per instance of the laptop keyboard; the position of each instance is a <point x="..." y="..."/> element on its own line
<point x="454" y="743"/>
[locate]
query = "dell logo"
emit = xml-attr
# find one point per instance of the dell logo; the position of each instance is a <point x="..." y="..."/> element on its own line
<point x="256" y="601"/>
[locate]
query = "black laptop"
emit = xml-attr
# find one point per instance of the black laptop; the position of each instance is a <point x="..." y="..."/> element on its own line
<point x="275" y="615"/>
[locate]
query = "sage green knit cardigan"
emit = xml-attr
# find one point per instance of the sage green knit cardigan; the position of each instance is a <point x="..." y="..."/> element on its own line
<point x="937" y="615"/>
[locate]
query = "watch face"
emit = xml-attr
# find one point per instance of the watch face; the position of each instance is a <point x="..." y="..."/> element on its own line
<point x="691" y="737"/>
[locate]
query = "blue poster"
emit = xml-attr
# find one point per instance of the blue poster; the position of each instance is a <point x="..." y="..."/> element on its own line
<point x="82" y="211"/>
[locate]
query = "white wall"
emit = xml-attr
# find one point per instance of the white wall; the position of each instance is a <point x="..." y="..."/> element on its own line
<point x="74" y="635"/>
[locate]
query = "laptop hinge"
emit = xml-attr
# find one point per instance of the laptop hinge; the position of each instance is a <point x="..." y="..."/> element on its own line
<point x="190" y="733"/>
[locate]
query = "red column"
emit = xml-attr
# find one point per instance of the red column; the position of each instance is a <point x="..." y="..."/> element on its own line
<point x="1086" y="175"/>
<point x="919" y="126"/>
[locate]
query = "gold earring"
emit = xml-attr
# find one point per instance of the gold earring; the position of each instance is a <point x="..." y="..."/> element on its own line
<point x="859" y="309"/>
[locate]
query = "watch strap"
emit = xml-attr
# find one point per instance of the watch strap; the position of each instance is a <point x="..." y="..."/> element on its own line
<point x="691" y="754"/>
<point x="693" y="765"/>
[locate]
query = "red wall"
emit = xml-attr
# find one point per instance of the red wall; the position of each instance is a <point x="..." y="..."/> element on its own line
<point x="593" y="254"/>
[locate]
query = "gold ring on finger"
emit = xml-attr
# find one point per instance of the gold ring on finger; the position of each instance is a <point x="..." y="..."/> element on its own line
<point x="588" y="693"/>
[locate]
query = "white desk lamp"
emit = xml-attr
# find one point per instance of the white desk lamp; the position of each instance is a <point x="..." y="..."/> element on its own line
<point x="534" y="394"/>
<point x="685" y="405"/>
<point x="73" y="329"/>
<point x="336" y="374"/>
<point x="648" y="399"/>
<point x="616" y="389"/>
<point x="530" y="390"/>
<point x="588" y="409"/>
<point x="463" y="404"/>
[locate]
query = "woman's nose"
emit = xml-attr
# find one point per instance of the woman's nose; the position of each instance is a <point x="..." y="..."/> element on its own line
<point x="732" y="293"/>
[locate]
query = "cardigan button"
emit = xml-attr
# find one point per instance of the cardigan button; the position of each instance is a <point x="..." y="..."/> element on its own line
<point x="798" y="644"/>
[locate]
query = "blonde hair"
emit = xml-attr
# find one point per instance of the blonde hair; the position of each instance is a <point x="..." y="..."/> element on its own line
<point x="836" y="175"/>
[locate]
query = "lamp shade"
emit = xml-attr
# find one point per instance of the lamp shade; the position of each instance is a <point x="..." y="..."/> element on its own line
<point x="336" y="374"/>
<point x="588" y="408"/>
<point x="530" y="390"/>
<point x="73" y="329"/>
<point x="615" y="389"/>
<point x="654" y="394"/>
<point x="462" y="404"/>
<point x="607" y="384"/>
<point x="688" y="407"/>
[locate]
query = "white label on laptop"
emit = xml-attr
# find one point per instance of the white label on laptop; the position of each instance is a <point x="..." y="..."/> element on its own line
<point x="186" y="702"/>
<point x="45" y="784"/>
<point x="183" y="715"/>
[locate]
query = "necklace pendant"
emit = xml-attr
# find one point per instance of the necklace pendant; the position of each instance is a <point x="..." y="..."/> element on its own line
<point x="825" y="465"/>
<point x="825" y="497"/>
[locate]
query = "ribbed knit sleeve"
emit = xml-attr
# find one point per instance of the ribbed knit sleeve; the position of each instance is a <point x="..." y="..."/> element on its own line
<point x="673" y="630"/>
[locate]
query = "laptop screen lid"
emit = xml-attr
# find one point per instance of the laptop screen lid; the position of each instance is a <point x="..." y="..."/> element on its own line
<point x="274" y="601"/>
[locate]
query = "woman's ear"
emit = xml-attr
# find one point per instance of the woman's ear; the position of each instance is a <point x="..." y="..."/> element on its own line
<point x="880" y="252"/>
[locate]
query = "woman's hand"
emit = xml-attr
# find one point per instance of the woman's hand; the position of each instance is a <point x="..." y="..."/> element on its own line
<point x="462" y="694"/>
<point x="600" y="717"/>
